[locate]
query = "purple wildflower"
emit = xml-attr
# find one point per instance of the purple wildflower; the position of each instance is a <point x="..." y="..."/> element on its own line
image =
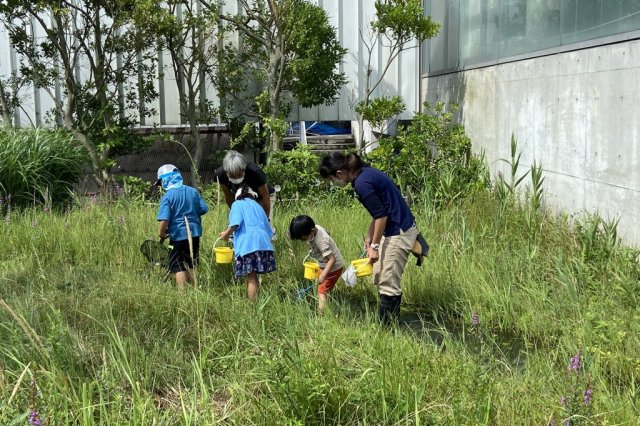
<point x="563" y="401"/>
<point x="587" y="396"/>
<point x="94" y="198"/>
<point x="475" y="319"/>
<point x="567" y="422"/>
<point x="34" y="418"/>
<point x="574" y="363"/>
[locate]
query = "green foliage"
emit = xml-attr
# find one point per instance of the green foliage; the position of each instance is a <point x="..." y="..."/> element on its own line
<point x="291" y="51"/>
<point x="403" y="20"/>
<point x="397" y="23"/>
<point x="94" y="109"/>
<point x="296" y="171"/>
<point x="315" y="54"/>
<point x="91" y="334"/>
<point x="432" y="154"/>
<point x="135" y="188"/>
<point x="38" y="164"/>
<point x="377" y="110"/>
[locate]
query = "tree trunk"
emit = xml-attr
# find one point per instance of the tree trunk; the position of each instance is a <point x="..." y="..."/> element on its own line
<point x="360" y="135"/>
<point x="275" y="64"/>
<point x="101" y="89"/>
<point x="197" y="139"/>
<point x="7" y="111"/>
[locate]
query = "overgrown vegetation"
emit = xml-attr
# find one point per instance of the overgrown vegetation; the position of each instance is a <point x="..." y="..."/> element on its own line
<point x="433" y="156"/>
<point x="501" y="326"/>
<point x="38" y="166"/>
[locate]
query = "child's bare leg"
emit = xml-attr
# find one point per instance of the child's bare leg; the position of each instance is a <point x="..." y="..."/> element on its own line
<point x="322" y="302"/>
<point x="181" y="279"/>
<point x="252" y="285"/>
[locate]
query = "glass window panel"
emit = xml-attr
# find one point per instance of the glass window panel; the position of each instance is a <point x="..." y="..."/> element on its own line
<point x="453" y="34"/>
<point x="528" y="26"/>
<point x="426" y="5"/>
<point x="588" y="19"/>
<point x="582" y="20"/>
<point x="479" y="31"/>
<point x="437" y="51"/>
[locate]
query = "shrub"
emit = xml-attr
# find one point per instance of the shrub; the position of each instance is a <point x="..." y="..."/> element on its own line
<point x="39" y="164"/>
<point x="432" y="154"/>
<point x="296" y="171"/>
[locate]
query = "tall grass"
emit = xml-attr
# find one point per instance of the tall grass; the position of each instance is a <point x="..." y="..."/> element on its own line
<point x="103" y="338"/>
<point x="38" y="166"/>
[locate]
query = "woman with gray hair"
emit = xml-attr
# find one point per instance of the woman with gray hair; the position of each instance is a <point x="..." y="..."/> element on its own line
<point x="235" y="172"/>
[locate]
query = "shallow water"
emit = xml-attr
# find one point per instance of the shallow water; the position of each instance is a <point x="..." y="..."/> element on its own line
<point x="491" y="346"/>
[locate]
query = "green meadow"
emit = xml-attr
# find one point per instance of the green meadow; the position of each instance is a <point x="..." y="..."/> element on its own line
<point x="517" y="317"/>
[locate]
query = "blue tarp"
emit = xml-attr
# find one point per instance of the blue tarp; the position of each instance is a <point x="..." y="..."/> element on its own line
<point x="316" y="128"/>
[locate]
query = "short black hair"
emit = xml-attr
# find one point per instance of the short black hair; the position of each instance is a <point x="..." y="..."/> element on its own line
<point x="300" y="226"/>
<point x="245" y="193"/>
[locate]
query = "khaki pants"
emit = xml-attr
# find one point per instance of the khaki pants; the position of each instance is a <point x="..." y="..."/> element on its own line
<point x="394" y="252"/>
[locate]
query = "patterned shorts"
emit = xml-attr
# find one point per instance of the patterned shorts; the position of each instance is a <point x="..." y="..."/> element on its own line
<point x="262" y="262"/>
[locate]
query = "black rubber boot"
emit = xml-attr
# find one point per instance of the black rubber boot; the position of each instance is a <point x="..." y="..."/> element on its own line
<point x="389" y="309"/>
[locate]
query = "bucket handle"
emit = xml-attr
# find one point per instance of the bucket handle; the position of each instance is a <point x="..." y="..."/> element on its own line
<point x="308" y="256"/>
<point x="216" y="242"/>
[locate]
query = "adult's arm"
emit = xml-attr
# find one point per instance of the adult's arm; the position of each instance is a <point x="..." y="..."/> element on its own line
<point x="378" y="228"/>
<point x="265" y="199"/>
<point x="228" y="196"/>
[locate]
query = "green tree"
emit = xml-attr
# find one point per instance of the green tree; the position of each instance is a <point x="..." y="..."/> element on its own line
<point x="9" y="100"/>
<point x="295" y="51"/>
<point x="92" y="48"/>
<point x="190" y="36"/>
<point x="397" y="23"/>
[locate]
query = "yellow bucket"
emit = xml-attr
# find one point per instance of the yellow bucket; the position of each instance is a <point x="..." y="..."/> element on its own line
<point x="363" y="267"/>
<point x="222" y="254"/>
<point x="311" y="270"/>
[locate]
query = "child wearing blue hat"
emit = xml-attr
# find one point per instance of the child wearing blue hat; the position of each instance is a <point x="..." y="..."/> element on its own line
<point x="179" y="217"/>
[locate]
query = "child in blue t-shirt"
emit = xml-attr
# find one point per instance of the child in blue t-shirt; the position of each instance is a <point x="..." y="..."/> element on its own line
<point x="252" y="239"/>
<point x="181" y="204"/>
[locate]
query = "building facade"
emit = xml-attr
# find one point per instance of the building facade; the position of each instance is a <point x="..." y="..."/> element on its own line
<point x="560" y="75"/>
<point x="351" y="20"/>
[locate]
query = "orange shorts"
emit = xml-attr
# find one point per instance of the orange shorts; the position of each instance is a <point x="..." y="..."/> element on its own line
<point x="329" y="282"/>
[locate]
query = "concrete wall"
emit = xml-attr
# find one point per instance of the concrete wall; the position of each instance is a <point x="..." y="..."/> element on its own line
<point x="576" y="113"/>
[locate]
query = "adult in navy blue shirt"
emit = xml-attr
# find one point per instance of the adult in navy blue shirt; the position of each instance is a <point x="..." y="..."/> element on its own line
<point x="392" y="234"/>
<point x="180" y="209"/>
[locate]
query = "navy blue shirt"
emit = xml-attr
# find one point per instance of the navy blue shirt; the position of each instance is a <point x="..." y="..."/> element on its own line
<point x="381" y="197"/>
